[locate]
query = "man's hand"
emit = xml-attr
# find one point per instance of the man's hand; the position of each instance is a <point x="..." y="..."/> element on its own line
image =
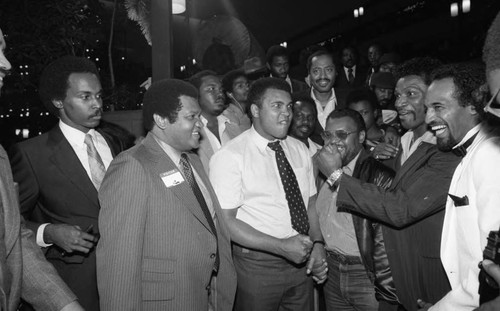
<point x="422" y="305"/>
<point x="74" y="306"/>
<point x="328" y="159"/>
<point x="317" y="264"/>
<point x="384" y="151"/>
<point x="69" y="238"/>
<point x="494" y="271"/>
<point x="297" y="248"/>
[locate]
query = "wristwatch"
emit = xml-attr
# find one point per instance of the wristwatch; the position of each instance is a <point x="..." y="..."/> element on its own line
<point x="334" y="177"/>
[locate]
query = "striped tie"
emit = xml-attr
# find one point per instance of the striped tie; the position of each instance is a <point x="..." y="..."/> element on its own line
<point x="97" y="169"/>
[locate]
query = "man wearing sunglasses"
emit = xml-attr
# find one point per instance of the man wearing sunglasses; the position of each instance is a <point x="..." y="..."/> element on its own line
<point x="350" y="239"/>
<point x="413" y="207"/>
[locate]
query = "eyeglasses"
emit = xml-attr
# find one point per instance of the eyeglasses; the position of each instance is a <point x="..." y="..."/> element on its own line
<point x="340" y="134"/>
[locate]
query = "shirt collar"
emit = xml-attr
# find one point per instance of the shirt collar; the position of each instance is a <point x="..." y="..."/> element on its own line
<point x="260" y="141"/>
<point x="220" y="118"/>
<point x="74" y="136"/>
<point x="473" y="131"/>
<point x="351" y="165"/>
<point x="173" y="154"/>
<point x="332" y="96"/>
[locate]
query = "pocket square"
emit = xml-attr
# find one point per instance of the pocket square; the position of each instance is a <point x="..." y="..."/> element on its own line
<point x="459" y="201"/>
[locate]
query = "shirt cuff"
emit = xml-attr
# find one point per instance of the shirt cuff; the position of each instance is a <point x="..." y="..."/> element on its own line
<point x="39" y="236"/>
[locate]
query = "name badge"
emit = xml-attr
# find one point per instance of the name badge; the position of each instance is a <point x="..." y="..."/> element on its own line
<point x="172" y="178"/>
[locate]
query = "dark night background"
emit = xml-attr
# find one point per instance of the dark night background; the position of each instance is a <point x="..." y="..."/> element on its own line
<point x="39" y="31"/>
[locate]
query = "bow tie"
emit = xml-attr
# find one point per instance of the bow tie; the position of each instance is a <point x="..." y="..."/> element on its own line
<point x="461" y="150"/>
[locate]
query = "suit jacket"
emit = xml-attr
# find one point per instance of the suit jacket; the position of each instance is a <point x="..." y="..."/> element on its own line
<point x="55" y="188"/>
<point x="413" y="210"/>
<point x="298" y="86"/>
<point x="359" y="78"/>
<point x="467" y="225"/>
<point x="157" y="251"/>
<point x="24" y="272"/>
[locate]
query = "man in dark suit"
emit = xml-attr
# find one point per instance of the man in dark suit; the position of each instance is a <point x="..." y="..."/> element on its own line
<point x="278" y="65"/>
<point x="60" y="171"/>
<point x="413" y="207"/>
<point x="350" y="74"/>
<point x="164" y="243"/>
<point x="24" y="272"/>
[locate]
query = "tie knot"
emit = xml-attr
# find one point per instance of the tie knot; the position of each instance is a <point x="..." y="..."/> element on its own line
<point x="349" y="70"/>
<point x="275" y="146"/>
<point x="184" y="158"/>
<point x="88" y="139"/>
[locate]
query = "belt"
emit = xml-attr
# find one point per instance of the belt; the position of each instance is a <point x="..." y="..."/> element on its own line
<point x="344" y="259"/>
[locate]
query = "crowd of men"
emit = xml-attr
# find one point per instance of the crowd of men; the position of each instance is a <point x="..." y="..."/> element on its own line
<point x="378" y="186"/>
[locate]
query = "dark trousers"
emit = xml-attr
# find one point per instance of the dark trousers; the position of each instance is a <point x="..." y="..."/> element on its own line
<point x="269" y="283"/>
<point x="348" y="286"/>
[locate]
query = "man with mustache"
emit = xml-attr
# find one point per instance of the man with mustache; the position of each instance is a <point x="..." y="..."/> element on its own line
<point x="265" y="184"/>
<point x="218" y="129"/>
<point x="472" y="210"/>
<point x="60" y="172"/>
<point x="413" y="206"/>
<point x="23" y="269"/>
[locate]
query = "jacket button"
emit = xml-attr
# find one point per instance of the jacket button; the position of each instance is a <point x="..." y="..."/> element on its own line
<point x="212" y="256"/>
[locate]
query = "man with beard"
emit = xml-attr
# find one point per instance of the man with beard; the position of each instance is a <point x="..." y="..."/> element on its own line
<point x="23" y="269"/>
<point x="265" y="184"/>
<point x="236" y="86"/>
<point x="352" y="241"/>
<point x="278" y="64"/>
<point x="60" y="172"/>
<point x="472" y="209"/>
<point x="218" y="129"/>
<point x="413" y="206"/>
<point x="303" y="121"/>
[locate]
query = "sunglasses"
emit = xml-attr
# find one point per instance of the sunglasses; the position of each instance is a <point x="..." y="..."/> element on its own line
<point x="340" y="134"/>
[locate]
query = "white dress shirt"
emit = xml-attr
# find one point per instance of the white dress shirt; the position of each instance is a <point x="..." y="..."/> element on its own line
<point x="407" y="147"/>
<point x="324" y="112"/>
<point x="245" y="175"/>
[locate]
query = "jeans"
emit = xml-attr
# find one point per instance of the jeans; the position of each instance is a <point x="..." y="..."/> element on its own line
<point x="348" y="286"/>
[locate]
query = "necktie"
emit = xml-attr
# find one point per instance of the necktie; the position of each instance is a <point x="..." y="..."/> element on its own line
<point x="298" y="212"/>
<point x="461" y="150"/>
<point x="188" y="173"/>
<point x="350" y="75"/>
<point x="97" y="169"/>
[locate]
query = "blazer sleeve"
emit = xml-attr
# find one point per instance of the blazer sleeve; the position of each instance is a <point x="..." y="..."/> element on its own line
<point x="123" y="197"/>
<point x="29" y="189"/>
<point x="421" y="194"/>
<point x="42" y="286"/>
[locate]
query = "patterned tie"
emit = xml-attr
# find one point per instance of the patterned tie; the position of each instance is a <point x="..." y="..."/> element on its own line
<point x="188" y="173"/>
<point x="350" y="75"/>
<point x="298" y="212"/>
<point x="97" y="169"/>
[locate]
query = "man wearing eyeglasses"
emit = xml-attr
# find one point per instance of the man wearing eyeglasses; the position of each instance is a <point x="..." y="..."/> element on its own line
<point x="350" y="239"/>
<point x="413" y="207"/>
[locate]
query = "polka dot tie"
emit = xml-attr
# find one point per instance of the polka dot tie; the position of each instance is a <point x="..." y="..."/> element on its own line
<point x="298" y="212"/>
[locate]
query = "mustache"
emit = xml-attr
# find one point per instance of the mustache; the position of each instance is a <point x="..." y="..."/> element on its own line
<point x="5" y="72"/>
<point x="319" y="80"/>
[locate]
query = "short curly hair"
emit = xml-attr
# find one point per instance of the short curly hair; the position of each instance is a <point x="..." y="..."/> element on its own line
<point x="467" y="78"/>
<point x="491" y="49"/>
<point x="163" y="99"/>
<point x="259" y="88"/>
<point x="228" y="79"/>
<point x="418" y="66"/>
<point x="54" y="80"/>
<point x="275" y="51"/>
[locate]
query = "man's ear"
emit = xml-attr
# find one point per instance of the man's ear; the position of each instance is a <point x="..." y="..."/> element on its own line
<point x="255" y="110"/>
<point x="472" y="110"/>
<point x="160" y="121"/>
<point x="57" y="103"/>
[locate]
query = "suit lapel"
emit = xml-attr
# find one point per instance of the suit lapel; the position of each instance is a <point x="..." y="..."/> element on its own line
<point x="412" y="163"/>
<point x="65" y="159"/>
<point x="162" y="163"/>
